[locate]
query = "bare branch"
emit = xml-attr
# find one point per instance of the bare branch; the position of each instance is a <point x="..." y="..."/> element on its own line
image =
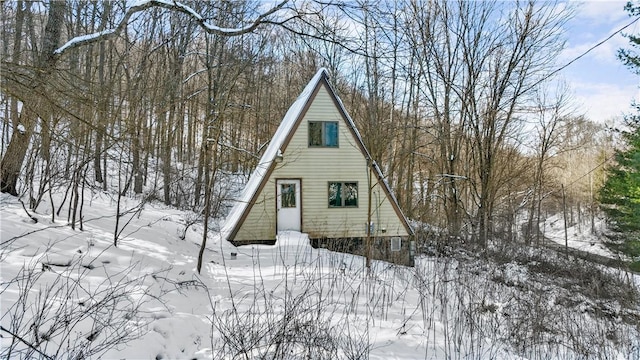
<point x="170" y="5"/>
<point x="24" y="342"/>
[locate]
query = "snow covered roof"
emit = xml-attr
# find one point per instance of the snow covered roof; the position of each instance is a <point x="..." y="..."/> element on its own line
<point x="267" y="161"/>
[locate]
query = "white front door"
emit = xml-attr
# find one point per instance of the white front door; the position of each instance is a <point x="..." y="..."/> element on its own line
<point x="288" y="204"/>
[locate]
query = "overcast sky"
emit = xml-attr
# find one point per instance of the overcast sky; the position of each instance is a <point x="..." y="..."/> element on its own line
<point x="603" y="87"/>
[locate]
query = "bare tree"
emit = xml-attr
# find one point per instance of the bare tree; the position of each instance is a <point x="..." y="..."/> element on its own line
<point x="550" y="115"/>
<point x="502" y="72"/>
<point x="439" y="74"/>
<point x="34" y="95"/>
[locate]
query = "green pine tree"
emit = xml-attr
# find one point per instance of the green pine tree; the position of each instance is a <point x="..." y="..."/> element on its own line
<point x="630" y="57"/>
<point x="620" y="194"/>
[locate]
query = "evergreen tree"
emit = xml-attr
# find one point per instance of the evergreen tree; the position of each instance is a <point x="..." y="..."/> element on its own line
<point x="630" y="57"/>
<point x="620" y="194"/>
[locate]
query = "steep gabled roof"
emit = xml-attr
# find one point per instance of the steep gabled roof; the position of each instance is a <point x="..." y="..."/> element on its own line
<point x="278" y="143"/>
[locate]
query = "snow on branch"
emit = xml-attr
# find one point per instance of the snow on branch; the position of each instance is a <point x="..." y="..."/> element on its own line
<point x="86" y="39"/>
<point x="170" y="5"/>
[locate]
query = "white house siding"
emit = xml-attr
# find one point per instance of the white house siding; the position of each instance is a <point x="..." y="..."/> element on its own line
<point x="316" y="167"/>
<point x="260" y="223"/>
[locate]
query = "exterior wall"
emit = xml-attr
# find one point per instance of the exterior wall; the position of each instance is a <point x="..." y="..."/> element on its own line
<point x="260" y="223"/>
<point x="380" y="248"/>
<point x="316" y="167"/>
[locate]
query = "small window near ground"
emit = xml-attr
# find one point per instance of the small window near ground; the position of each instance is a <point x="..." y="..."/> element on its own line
<point x="396" y="243"/>
<point x="323" y="134"/>
<point x="343" y="194"/>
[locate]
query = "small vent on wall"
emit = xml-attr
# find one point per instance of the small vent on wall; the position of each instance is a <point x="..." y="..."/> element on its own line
<point x="396" y="243"/>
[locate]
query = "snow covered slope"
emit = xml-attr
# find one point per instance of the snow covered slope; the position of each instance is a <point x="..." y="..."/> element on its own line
<point x="68" y="293"/>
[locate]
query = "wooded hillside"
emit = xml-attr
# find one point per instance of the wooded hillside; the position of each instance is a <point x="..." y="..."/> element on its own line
<point x="455" y="99"/>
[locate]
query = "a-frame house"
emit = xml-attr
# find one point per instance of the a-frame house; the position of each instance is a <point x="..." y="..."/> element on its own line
<point x="316" y="176"/>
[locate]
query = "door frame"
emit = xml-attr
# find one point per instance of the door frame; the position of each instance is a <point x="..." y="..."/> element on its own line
<point x="299" y="199"/>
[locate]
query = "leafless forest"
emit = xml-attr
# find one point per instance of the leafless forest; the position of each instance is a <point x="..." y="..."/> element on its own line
<point x="174" y="102"/>
<point x="457" y="101"/>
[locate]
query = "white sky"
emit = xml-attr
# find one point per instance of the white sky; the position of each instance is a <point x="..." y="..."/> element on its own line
<point x="603" y="87"/>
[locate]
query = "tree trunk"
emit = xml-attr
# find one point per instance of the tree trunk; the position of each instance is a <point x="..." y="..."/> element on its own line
<point x="16" y="150"/>
<point x="103" y="100"/>
<point x="136" y="149"/>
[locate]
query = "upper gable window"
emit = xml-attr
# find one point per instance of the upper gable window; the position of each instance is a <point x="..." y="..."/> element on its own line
<point x="323" y="134"/>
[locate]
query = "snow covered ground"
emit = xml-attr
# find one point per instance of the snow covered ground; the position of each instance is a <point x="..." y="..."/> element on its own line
<point x="579" y="236"/>
<point x="181" y="313"/>
<point x="70" y="292"/>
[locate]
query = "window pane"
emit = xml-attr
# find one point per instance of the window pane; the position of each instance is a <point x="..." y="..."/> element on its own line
<point x="315" y="134"/>
<point x="335" y="198"/>
<point x="288" y="195"/>
<point x="350" y="194"/>
<point x="331" y="134"/>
